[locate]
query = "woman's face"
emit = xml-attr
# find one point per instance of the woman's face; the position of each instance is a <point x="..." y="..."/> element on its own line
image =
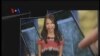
<point x="50" y="26"/>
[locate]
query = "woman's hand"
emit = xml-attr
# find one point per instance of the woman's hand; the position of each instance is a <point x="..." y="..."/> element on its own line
<point x="89" y="39"/>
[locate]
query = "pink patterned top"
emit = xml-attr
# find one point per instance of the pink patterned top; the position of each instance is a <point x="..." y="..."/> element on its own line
<point x="50" y="45"/>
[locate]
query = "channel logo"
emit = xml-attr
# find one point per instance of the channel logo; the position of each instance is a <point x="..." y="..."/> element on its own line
<point x="15" y="10"/>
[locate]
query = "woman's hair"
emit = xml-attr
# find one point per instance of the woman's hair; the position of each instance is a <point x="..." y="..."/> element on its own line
<point x="56" y="32"/>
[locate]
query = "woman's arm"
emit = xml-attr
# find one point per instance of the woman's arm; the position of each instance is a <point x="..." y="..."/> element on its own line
<point x="39" y="50"/>
<point x="89" y="39"/>
<point x="39" y="47"/>
<point x="61" y="47"/>
<point x="60" y="50"/>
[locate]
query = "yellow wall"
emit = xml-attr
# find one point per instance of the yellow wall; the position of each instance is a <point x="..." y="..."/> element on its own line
<point x="88" y="20"/>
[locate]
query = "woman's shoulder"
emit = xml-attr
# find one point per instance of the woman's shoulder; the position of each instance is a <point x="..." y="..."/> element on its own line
<point x="61" y="41"/>
<point x="40" y="40"/>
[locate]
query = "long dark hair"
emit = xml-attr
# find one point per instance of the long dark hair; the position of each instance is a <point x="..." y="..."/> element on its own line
<point x="44" y="32"/>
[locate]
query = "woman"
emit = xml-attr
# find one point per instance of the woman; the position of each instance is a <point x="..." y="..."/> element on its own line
<point x="51" y="43"/>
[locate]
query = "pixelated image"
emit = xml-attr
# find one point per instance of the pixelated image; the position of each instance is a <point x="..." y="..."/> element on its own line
<point x="36" y="31"/>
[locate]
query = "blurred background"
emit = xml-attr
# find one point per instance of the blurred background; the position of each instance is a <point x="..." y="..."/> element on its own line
<point x="88" y="20"/>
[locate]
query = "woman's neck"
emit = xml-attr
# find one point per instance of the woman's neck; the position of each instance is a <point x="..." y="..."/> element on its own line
<point x="51" y="34"/>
